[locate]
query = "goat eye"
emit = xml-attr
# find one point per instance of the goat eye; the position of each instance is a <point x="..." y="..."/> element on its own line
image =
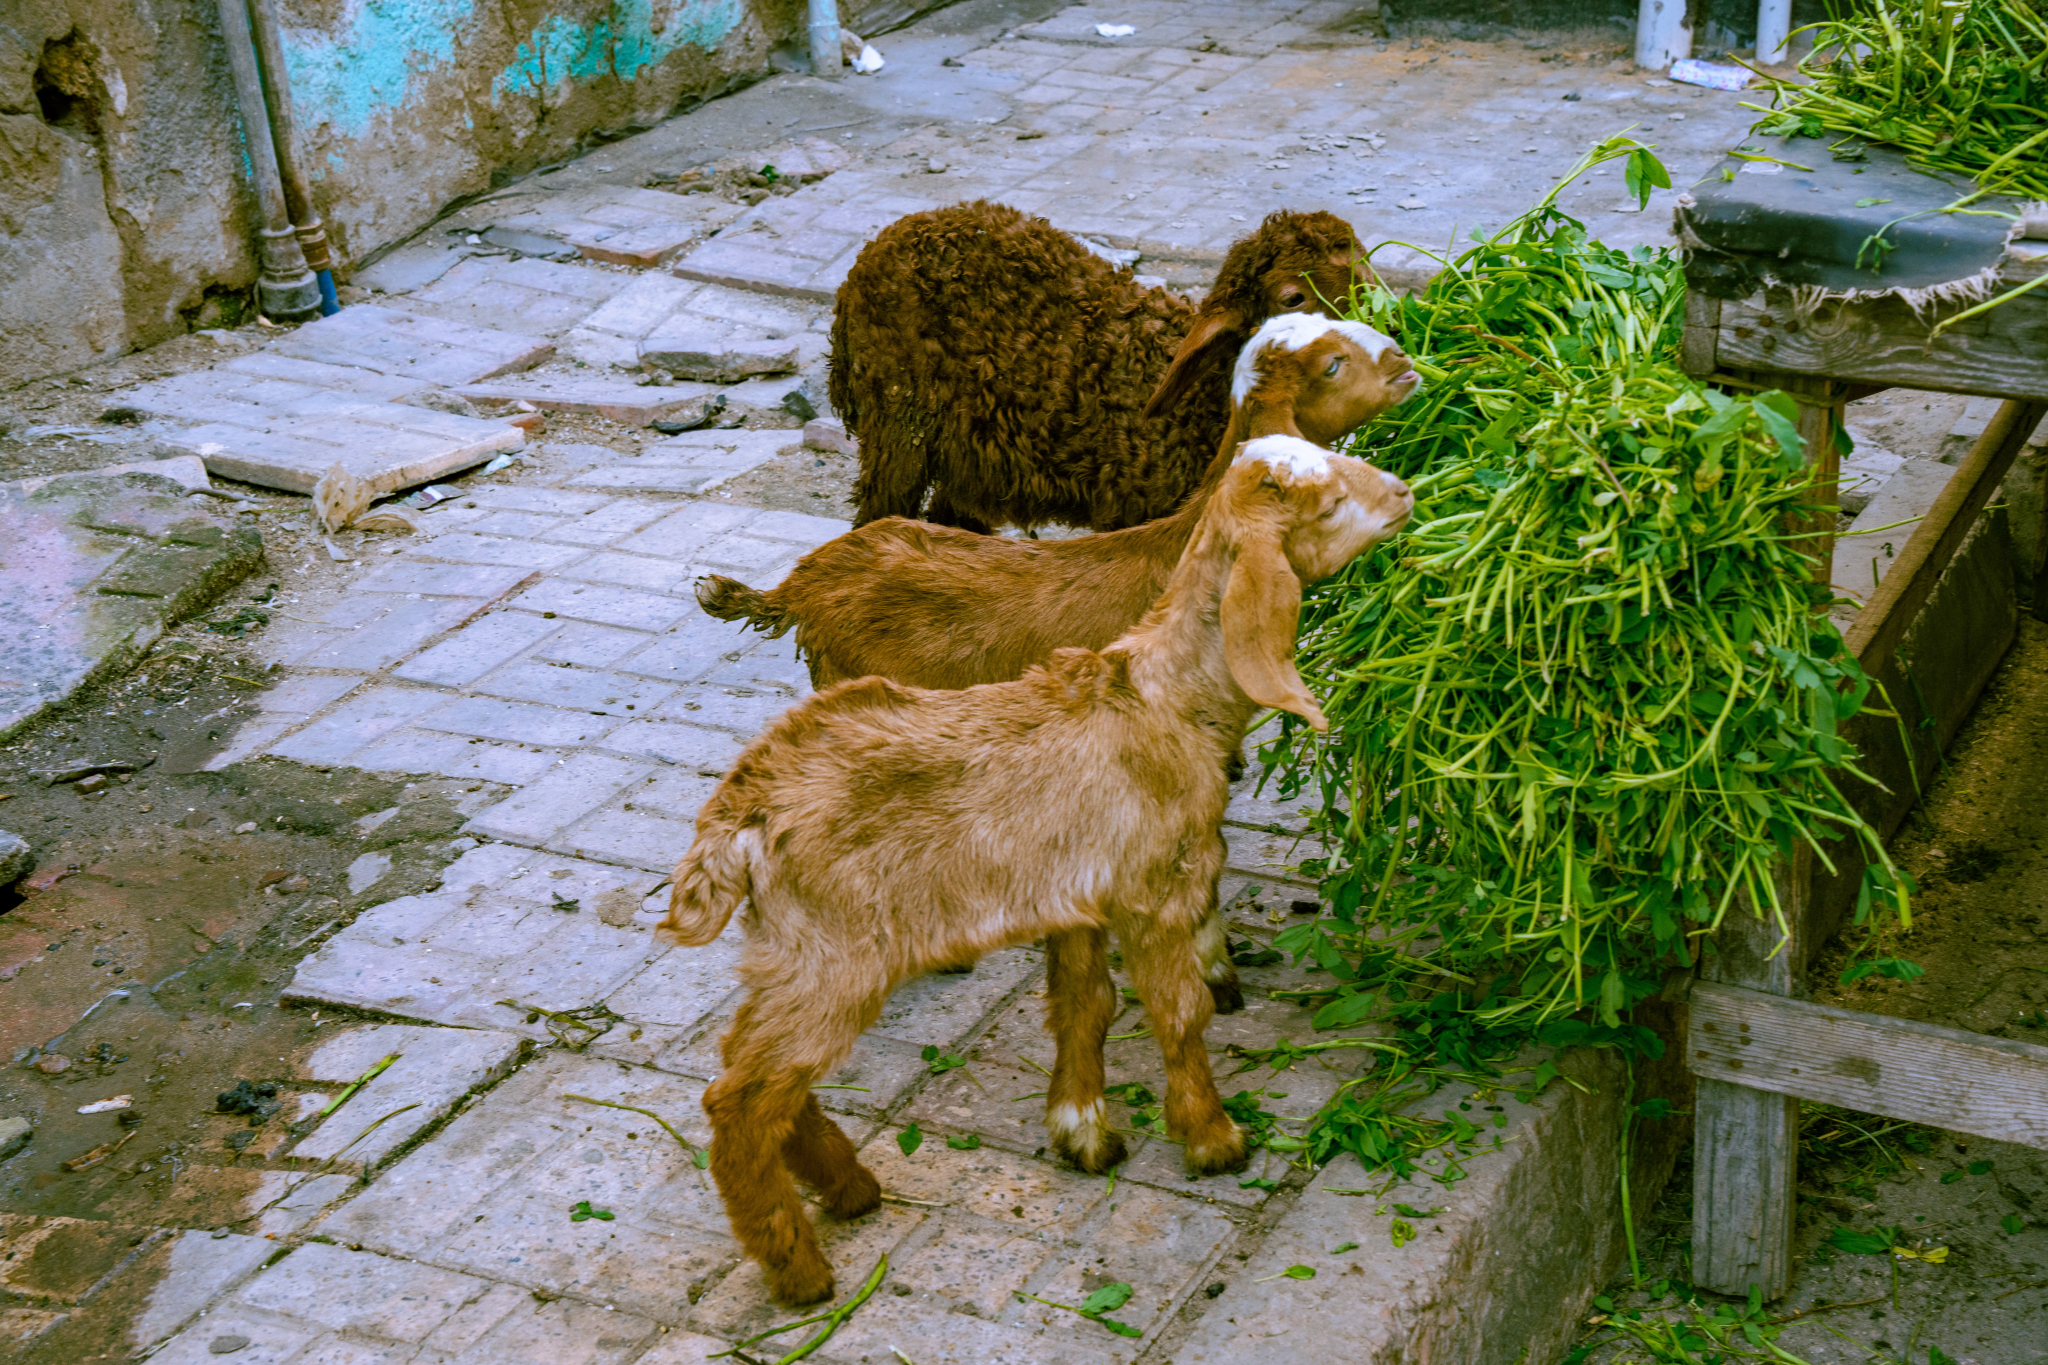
<point x="1330" y="511"/>
<point x="1336" y="363"/>
<point x="1293" y="298"/>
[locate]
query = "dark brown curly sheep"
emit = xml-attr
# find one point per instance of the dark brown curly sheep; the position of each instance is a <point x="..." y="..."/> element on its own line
<point x="985" y="357"/>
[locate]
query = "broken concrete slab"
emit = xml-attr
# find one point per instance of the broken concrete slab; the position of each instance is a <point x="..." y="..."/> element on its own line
<point x="260" y="427"/>
<point x="97" y="569"/>
<point x="620" y="400"/>
<point x="436" y="1067"/>
<point x="710" y="349"/>
<point x="413" y="346"/>
<point x="616" y="224"/>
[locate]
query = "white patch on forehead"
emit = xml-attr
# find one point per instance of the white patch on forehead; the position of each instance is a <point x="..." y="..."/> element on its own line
<point x="1291" y="332"/>
<point x="1302" y="459"/>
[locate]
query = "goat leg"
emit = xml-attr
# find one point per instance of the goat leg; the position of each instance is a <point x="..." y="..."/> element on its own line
<point x="754" y="1107"/>
<point x="1080" y="1005"/>
<point x="821" y="1155"/>
<point x="1212" y="947"/>
<point x="1162" y="959"/>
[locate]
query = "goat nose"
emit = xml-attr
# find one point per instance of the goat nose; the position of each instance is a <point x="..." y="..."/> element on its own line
<point x="1396" y="486"/>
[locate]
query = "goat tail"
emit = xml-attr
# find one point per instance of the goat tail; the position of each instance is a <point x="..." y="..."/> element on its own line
<point x="709" y="883"/>
<point x="728" y="599"/>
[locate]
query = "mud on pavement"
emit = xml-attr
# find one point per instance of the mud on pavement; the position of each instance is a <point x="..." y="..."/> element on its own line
<point x="141" y="966"/>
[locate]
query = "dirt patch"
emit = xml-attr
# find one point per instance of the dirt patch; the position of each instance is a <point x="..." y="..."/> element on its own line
<point x="167" y="912"/>
<point x="1923" y="1238"/>
<point x="817" y="482"/>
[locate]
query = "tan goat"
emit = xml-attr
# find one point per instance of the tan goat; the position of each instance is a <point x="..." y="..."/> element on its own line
<point x="877" y="831"/>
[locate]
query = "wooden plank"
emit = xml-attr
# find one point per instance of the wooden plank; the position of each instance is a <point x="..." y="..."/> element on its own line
<point x="1875" y="633"/>
<point x="2002" y="353"/>
<point x="1746" y="1140"/>
<point x="1702" y="324"/>
<point x="1922" y="1073"/>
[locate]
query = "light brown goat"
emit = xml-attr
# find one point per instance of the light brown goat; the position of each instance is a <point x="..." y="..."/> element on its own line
<point x="933" y="606"/>
<point x="876" y="831"/>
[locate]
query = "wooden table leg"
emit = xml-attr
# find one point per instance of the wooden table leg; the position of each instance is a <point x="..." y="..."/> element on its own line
<point x="1746" y="1142"/>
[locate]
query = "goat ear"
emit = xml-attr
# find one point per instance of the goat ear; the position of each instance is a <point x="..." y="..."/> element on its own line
<point x="1209" y="329"/>
<point x="1261" y="611"/>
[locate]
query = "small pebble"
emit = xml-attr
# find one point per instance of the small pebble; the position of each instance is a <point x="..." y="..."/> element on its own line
<point x="53" y="1063"/>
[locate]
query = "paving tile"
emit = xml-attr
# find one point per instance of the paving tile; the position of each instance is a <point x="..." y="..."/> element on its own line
<point x="942" y="1008"/>
<point x="553" y="501"/>
<point x="797" y="527"/>
<point x="306" y="693"/>
<point x="477" y="648"/>
<point x="465" y="547"/>
<point x="616" y="519"/>
<point x="565" y="794"/>
<point x="706" y="751"/>
<point x="574" y="688"/>
<point x="653" y="478"/>
<point x="424" y="751"/>
<point x="743" y="712"/>
<point x="634" y="405"/>
<point x="440" y="580"/>
<point x="491" y="1194"/>
<point x="355" y="723"/>
<point x="627" y="837"/>
<point x="383" y="641"/>
<point x="693" y="647"/>
<point x="606" y="606"/>
<point x="517" y="722"/>
<point x="633" y="571"/>
<point x="579" y="642"/>
<point x="642" y="305"/>
<point x="436" y="1067"/>
<point x="688" y="529"/>
<point x="516" y="294"/>
<point x="412" y="346"/>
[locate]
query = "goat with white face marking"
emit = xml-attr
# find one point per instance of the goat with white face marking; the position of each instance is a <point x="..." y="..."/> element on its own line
<point x="931" y="606"/>
<point x="876" y="831"/>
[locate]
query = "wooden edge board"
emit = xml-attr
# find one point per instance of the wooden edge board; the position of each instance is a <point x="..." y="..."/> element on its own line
<point x="1902" y="1069"/>
<point x="1875" y="633"/>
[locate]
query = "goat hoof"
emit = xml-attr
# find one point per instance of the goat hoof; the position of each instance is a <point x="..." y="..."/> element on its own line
<point x="1227" y="995"/>
<point x="1217" y="1156"/>
<point x="1233" y="768"/>
<point x="860" y="1193"/>
<point x="1097" y="1156"/>
<point x="806" y="1278"/>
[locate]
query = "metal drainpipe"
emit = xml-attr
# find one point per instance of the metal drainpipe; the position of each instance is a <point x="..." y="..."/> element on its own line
<point x="285" y="288"/>
<point x="825" y="54"/>
<point x="284" y="135"/>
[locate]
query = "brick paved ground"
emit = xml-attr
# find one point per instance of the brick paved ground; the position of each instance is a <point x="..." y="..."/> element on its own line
<point x="541" y="634"/>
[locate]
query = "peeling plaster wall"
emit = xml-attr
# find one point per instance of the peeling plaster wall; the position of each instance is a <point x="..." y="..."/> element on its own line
<point x="126" y="212"/>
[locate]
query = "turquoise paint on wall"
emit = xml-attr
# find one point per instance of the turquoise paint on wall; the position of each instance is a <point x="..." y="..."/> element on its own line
<point x="366" y="65"/>
<point x="622" y="43"/>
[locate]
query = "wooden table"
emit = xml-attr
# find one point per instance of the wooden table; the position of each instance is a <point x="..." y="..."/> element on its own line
<point x="1755" y="1045"/>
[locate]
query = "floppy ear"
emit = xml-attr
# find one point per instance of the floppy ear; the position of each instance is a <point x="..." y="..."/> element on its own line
<point x="1261" y="609"/>
<point x="1209" y="330"/>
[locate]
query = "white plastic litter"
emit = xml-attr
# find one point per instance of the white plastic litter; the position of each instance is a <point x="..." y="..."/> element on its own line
<point x="1115" y="30"/>
<point x="102" y="1106"/>
<point x="498" y="463"/>
<point x="1713" y="75"/>
<point x="869" y="61"/>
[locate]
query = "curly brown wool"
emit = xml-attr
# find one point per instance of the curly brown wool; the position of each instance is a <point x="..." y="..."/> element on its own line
<point x="987" y="360"/>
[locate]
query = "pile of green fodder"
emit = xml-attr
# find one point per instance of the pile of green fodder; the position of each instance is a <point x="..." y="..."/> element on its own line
<point x="1960" y="85"/>
<point x="1582" y="706"/>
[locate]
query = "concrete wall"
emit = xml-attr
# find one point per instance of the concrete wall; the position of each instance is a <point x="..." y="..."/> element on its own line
<point x="126" y="212"/>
